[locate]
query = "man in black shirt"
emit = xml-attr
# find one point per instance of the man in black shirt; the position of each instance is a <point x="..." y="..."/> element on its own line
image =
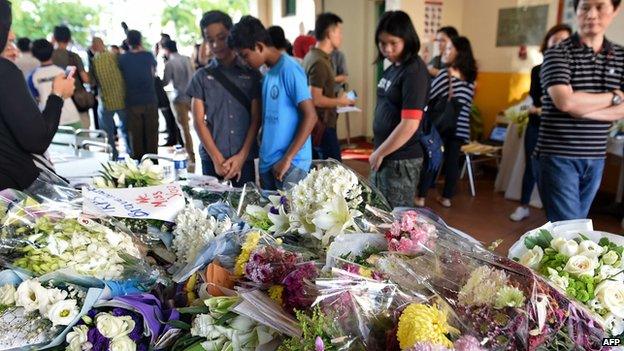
<point x="583" y="77"/>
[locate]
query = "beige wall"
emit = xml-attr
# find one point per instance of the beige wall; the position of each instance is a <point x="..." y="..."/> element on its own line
<point x="359" y="49"/>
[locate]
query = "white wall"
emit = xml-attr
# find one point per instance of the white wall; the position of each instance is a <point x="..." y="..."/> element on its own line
<point x="616" y="30"/>
<point x="305" y="13"/>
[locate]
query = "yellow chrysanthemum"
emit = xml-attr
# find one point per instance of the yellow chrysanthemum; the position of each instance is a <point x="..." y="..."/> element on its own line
<point x="422" y="323"/>
<point x="250" y="244"/>
<point x="366" y="273"/>
<point x="276" y="292"/>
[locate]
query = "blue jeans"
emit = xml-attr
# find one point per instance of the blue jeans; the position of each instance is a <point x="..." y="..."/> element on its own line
<point x="107" y="123"/>
<point x="329" y="148"/>
<point x="528" y="179"/>
<point x="248" y="172"/>
<point x="568" y="186"/>
<point x="291" y="178"/>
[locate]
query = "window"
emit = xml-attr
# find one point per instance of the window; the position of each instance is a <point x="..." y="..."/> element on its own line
<point x="289" y="7"/>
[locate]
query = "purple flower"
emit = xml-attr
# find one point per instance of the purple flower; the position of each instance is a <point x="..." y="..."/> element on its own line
<point x="274" y="210"/>
<point x="295" y="292"/>
<point x="269" y="265"/>
<point x="422" y="346"/>
<point x="468" y="343"/>
<point x="118" y="312"/>
<point x="99" y="341"/>
<point x="319" y="345"/>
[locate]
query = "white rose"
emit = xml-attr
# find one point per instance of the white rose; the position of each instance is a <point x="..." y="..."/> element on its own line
<point x="590" y="249"/>
<point x="580" y="265"/>
<point x="609" y="272"/>
<point x="112" y="327"/>
<point x="76" y="338"/>
<point x="7" y="295"/>
<point x="557" y="242"/>
<point x="122" y="343"/>
<point x="63" y="312"/>
<point x="610" y="257"/>
<point x="569" y="248"/>
<point x="533" y="257"/>
<point x="31" y="295"/>
<point x="614" y="324"/>
<point x="610" y="293"/>
<point x="558" y="280"/>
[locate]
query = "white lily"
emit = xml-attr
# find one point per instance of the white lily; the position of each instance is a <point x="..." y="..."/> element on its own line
<point x="280" y="221"/>
<point x="334" y="218"/>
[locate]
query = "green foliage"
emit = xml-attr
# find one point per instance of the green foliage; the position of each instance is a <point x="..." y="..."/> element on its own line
<point x="316" y="325"/>
<point x="36" y="19"/>
<point x="476" y="123"/>
<point x="542" y="239"/>
<point x="185" y="16"/>
<point x="612" y="246"/>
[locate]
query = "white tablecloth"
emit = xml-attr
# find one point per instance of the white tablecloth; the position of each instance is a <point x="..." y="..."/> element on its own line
<point x="511" y="168"/>
<point x="67" y="164"/>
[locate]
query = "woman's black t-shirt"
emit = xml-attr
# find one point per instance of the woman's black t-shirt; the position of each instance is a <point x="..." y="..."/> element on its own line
<point x="402" y="92"/>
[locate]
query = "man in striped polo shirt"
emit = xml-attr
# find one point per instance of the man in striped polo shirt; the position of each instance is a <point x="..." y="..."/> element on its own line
<point x="582" y="78"/>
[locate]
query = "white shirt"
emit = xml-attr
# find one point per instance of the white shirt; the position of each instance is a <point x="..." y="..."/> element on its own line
<point x="27" y="63"/>
<point x="40" y="84"/>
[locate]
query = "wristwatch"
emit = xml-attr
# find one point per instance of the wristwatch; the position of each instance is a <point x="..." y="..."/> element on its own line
<point x="616" y="99"/>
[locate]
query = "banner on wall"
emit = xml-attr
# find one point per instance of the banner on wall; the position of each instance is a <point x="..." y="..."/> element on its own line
<point x="161" y="202"/>
<point x="433" y="17"/>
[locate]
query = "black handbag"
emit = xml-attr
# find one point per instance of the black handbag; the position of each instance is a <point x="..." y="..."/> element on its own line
<point x="432" y="145"/>
<point x="443" y="112"/>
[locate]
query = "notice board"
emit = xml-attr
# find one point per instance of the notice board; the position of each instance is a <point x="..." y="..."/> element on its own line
<point x="521" y="25"/>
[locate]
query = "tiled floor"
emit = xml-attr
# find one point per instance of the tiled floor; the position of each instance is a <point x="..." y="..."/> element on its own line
<point x="486" y="216"/>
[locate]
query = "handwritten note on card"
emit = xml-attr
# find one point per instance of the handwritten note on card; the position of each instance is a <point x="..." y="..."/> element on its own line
<point x="162" y="202"/>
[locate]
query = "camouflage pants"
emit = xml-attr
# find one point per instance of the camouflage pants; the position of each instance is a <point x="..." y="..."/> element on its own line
<point x="398" y="181"/>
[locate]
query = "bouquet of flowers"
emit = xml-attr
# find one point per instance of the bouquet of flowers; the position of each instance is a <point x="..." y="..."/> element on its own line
<point x="587" y="270"/>
<point x="323" y="205"/>
<point x="34" y="314"/>
<point x="41" y="239"/>
<point x="497" y="300"/>
<point x="196" y="228"/>
<point x="129" y="175"/>
<point x="131" y="322"/>
<point x="410" y="234"/>
<point x="218" y="327"/>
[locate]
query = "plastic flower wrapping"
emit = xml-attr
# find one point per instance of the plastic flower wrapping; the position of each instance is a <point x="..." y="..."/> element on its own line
<point x="500" y="302"/>
<point x="43" y="237"/>
<point x="129" y="175"/>
<point x="586" y="265"/>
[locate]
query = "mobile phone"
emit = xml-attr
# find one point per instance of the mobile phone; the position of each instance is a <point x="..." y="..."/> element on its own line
<point x="352" y="95"/>
<point x="70" y="71"/>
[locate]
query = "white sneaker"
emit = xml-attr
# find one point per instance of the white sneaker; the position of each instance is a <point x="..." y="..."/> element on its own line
<point x="519" y="214"/>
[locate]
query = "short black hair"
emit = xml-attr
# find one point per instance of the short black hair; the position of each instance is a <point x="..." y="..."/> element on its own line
<point x="23" y="44"/>
<point x="449" y="31"/>
<point x="116" y="47"/>
<point x="42" y="49"/>
<point x="124" y="45"/>
<point x="62" y="34"/>
<point x="278" y="37"/>
<point x="134" y="38"/>
<point x="248" y="32"/>
<point x="398" y="24"/>
<point x="215" y="16"/>
<point x="5" y="22"/>
<point x="552" y="31"/>
<point x="464" y="61"/>
<point x="616" y="3"/>
<point x="324" y="22"/>
<point x="170" y="45"/>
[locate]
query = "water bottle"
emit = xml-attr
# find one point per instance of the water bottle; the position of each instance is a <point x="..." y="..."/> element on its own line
<point x="180" y="162"/>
